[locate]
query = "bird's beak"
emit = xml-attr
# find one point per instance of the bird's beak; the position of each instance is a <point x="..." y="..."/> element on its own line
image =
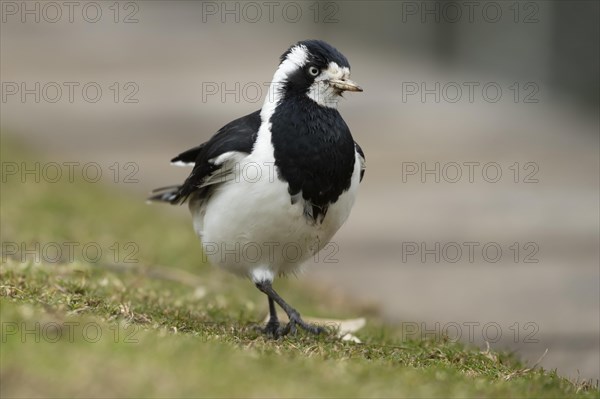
<point x="345" y="85"/>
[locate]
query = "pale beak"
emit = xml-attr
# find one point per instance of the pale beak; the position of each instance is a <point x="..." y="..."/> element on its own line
<point x="345" y="85"/>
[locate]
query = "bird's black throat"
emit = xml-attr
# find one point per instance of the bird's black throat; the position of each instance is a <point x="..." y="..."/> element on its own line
<point x="314" y="153"/>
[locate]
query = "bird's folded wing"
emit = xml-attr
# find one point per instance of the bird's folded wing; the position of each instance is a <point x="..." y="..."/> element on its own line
<point x="213" y="161"/>
<point x="363" y="162"/>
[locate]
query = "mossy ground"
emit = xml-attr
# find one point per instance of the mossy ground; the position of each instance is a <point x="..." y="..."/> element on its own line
<point x="149" y="319"/>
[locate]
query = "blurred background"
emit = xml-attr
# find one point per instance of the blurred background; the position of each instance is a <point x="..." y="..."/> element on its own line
<point x="479" y="213"/>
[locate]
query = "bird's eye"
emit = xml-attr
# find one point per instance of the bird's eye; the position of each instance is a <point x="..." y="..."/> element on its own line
<point x="313" y="71"/>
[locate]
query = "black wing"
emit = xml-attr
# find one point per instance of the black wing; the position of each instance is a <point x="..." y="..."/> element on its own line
<point x="188" y="157"/>
<point x="237" y="136"/>
<point x="363" y="160"/>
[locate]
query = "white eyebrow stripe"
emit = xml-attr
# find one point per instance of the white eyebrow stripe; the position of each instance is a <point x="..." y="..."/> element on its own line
<point x="298" y="55"/>
<point x="296" y="59"/>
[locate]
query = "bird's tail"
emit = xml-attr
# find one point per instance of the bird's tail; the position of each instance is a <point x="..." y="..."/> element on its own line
<point x="170" y="194"/>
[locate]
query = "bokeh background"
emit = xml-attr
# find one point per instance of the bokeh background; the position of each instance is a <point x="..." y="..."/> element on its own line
<point x="183" y="69"/>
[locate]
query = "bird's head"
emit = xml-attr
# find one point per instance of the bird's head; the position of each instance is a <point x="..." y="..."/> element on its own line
<point x="315" y="69"/>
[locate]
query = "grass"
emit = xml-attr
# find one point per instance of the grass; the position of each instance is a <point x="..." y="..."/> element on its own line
<point x="168" y="325"/>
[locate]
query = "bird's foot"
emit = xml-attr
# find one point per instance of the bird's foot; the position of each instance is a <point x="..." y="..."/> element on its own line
<point x="272" y="329"/>
<point x="296" y="320"/>
<point x="275" y="330"/>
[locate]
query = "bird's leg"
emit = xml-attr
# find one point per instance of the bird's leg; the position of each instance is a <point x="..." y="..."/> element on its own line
<point x="272" y="327"/>
<point x="294" y="316"/>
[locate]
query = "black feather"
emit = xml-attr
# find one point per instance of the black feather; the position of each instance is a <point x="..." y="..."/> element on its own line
<point x="189" y="156"/>
<point x="320" y="53"/>
<point x="238" y="135"/>
<point x="314" y="152"/>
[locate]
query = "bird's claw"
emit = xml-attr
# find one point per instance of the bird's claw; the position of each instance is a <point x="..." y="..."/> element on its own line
<point x="274" y="330"/>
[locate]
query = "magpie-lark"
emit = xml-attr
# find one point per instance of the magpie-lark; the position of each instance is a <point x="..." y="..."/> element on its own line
<point x="270" y="189"/>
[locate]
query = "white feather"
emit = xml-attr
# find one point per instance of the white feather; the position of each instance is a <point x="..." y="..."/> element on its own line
<point x="183" y="164"/>
<point x="252" y="229"/>
<point x="321" y="92"/>
<point x="295" y="60"/>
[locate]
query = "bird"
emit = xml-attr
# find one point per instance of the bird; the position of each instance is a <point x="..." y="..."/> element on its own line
<point x="270" y="189"/>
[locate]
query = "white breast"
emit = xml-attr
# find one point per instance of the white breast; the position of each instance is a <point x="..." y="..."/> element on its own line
<point x="250" y="227"/>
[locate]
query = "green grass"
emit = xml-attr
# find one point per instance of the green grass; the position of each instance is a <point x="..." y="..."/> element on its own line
<point x="170" y="326"/>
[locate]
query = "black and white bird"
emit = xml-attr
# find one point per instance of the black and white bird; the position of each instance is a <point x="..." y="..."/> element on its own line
<point x="270" y="189"/>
